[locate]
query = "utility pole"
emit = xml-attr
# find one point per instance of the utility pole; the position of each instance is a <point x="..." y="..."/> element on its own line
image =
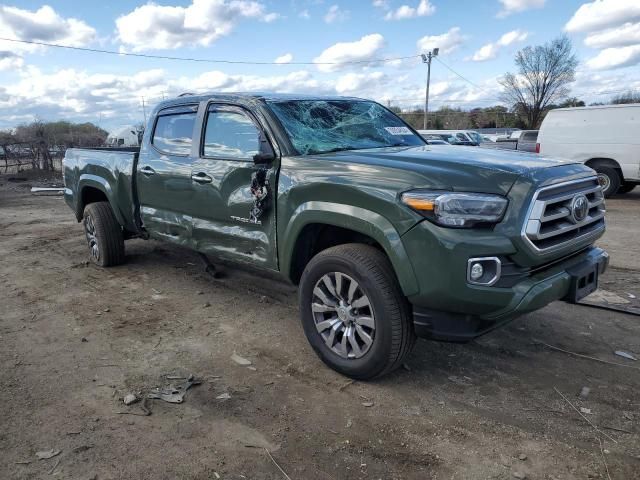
<point x="427" y="59"/>
<point x="144" y="111"/>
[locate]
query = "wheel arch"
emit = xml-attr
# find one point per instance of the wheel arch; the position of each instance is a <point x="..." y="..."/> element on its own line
<point x="315" y="226"/>
<point x="93" y="188"/>
<point x="605" y="162"/>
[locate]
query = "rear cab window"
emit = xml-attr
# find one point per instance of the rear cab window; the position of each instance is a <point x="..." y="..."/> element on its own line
<point x="173" y="131"/>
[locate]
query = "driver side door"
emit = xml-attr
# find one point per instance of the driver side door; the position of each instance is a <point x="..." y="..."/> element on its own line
<point x="226" y="186"/>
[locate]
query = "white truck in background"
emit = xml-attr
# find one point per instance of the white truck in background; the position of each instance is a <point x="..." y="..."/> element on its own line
<point x="605" y="138"/>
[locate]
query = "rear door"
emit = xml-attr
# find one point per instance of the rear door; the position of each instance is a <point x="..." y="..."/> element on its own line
<point x="225" y="220"/>
<point x="164" y="185"/>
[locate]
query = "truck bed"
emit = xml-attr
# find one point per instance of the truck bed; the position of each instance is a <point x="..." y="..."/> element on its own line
<point x="111" y="170"/>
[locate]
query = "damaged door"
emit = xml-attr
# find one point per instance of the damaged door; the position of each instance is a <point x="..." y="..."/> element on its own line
<point x="233" y="181"/>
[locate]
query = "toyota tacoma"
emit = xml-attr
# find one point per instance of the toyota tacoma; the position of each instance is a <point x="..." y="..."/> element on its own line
<point x="387" y="238"/>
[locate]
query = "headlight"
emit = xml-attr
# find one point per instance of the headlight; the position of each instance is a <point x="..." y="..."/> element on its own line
<point x="457" y="209"/>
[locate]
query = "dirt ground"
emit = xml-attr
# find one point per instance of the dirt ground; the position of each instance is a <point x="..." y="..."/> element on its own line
<point x="74" y="339"/>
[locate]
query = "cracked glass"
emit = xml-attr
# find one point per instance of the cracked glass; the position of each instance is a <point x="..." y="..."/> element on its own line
<point x="323" y="126"/>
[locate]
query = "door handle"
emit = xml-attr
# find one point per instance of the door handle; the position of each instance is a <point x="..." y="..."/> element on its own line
<point x="147" y="170"/>
<point x="201" y="177"/>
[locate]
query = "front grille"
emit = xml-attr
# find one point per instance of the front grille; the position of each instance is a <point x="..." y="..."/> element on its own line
<point x="554" y="219"/>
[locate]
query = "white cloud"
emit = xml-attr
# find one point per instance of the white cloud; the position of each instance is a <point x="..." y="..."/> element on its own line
<point x="515" y="6"/>
<point x="360" y="82"/>
<point x="10" y="61"/>
<point x="336" y="14"/>
<point x="364" y="49"/>
<point x="286" y="58"/>
<point x="304" y="14"/>
<point x="44" y="25"/>
<point x="423" y="9"/>
<point x="601" y="14"/>
<point x="612" y="26"/>
<point x="611" y="58"/>
<point x="490" y="50"/>
<point x="625" y="35"/>
<point x="153" y="26"/>
<point x="446" y="42"/>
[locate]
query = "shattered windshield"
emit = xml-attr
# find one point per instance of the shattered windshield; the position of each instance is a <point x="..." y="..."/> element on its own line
<point x="322" y="126"/>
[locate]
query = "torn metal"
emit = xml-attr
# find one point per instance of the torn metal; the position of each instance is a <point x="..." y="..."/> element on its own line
<point x="261" y="193"/>
<point x="174" y="393"/>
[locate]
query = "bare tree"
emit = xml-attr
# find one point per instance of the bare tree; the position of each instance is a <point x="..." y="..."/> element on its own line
<point x="627" y="97"/>
<point x="544" y="73"/>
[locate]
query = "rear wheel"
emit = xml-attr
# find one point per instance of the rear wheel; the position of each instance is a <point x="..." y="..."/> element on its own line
<point x="104" y="235"/>
<point x="353" y="312"/>
<point x="609" y="179"/>
<point x="626" y="187"/>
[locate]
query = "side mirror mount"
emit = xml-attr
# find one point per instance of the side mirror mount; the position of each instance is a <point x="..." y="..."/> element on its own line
<point x="265" y="154"/>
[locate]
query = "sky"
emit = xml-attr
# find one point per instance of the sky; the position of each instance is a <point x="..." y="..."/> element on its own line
<point x="364" y="48"/>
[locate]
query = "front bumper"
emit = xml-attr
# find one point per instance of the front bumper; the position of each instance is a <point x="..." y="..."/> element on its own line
<point x="449" y="308"/>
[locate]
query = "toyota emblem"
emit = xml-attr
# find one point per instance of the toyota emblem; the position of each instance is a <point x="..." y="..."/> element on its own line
<point x="579" y="208"/>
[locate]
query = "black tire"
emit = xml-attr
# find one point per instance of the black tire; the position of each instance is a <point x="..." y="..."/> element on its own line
<point x="626" y="187"/>
<point x="609" y="179"/>
<point x="104" y="235"/>
<point x="394" y="336"/>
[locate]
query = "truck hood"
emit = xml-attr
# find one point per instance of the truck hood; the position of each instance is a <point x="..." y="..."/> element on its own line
<point x="452" y="167"/>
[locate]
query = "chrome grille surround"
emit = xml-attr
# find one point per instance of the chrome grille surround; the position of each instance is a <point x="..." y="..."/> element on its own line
<point x="551" y="220"/>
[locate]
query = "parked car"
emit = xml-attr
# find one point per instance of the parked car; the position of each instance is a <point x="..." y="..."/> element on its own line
<point x="527" y="141"/>
<point x="386" y="238"/>
<point x="606" y="138"/>
<point x="434" y="140"/>
<point x="454" y="137"/>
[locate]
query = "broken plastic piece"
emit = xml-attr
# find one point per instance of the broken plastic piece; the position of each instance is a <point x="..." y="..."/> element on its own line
<point x="173" y="393"/>
<point x="626" y="355"/>
<point x="46" y="454"/>
<point x="240" y="360"/>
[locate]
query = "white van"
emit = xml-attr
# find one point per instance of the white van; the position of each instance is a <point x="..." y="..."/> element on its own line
<point x="606" y="138"/>
<point x="125" y="136"/>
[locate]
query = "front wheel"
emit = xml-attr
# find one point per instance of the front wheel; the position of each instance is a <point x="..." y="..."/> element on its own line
<point x="609" y="180"/>
<point x="353" y="312"/>
<point x="104" y="235"/>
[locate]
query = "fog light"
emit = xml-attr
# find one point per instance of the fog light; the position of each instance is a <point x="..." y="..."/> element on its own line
<point x="483" y="270"/>
<point x="476" y="271"/>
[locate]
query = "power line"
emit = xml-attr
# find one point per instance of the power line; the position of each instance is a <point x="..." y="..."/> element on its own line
<point x="202" y="60"/>
<point x="463" y="77"/>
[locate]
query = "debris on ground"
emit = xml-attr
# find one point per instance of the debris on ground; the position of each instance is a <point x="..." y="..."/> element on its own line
<point x="173" y="393"/>
<point x="584" y="393"/>
<point x="367" y="404"/>
<point x="522" y="457"/>
<point x="223" y="396"/>
<point x="586" y="410"/>
<point x="53" y="190"/>
<point x="240" y="360"/>
<point x="129" y="399"/>
<point x="46" y="454"/>
<point x="626" y="355"/>
<point x="519" y="475"/>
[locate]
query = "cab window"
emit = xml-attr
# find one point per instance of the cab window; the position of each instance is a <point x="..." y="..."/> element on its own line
<point x="173" y="133"/>
<point x="230" y="134"/>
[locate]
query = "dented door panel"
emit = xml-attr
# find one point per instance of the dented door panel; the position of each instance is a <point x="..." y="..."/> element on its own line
<point x="233" y="216"/>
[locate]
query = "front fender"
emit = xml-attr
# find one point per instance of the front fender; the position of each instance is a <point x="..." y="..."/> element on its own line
<point x="354" y="218"/>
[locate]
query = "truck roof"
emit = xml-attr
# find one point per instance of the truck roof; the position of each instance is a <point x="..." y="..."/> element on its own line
<point x="247" y="97"/>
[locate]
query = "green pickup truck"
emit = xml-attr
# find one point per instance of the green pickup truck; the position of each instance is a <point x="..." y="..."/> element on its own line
<point x="388" y="238"/>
